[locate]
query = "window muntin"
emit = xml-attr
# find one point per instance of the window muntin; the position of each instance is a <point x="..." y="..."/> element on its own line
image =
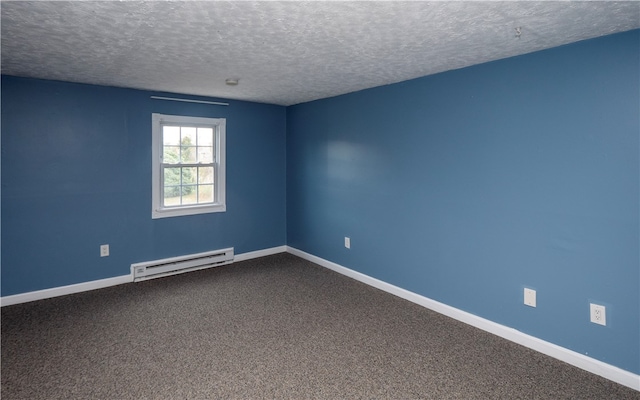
<point x="188" y="165"/>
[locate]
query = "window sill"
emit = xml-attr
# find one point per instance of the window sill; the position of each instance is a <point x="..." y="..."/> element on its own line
<point x="188" y="210"/>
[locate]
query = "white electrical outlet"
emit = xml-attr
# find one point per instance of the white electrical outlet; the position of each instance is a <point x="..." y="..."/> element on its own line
<point x="104" y="250"/>
<point x="530" y="297"/>
<point x="598" y="314"/>
<point x="347" y="242"/>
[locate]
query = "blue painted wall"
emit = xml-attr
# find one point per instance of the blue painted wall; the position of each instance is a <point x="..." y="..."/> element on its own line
<point x="469" y="185"/>
<point x="76" y="173"/>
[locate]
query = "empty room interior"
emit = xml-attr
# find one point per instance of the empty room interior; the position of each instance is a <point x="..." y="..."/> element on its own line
<point x="236" y="199"/>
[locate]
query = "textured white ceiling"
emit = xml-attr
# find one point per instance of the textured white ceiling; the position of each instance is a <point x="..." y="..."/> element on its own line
<point x="284" y="52"/>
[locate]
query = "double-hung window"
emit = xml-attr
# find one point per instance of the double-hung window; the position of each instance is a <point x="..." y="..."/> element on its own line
<point x="188" y="165"/>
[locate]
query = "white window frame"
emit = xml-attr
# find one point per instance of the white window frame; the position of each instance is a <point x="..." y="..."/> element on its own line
<point x="219" y="204"/>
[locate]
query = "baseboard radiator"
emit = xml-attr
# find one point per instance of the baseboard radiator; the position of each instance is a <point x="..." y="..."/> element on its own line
<point x="177" y="265"/>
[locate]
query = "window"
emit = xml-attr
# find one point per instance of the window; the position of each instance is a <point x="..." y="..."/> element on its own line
<point x="188" y="165"/>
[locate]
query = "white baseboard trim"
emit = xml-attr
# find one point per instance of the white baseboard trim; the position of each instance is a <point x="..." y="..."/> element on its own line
<point x="259" y="253"/>
<point x="64" y="290"/>
<point x="102" y="283"/>
<point x="576" y="359"/>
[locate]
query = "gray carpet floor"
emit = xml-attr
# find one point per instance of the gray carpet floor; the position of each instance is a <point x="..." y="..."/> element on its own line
<point x="269" y="328"/>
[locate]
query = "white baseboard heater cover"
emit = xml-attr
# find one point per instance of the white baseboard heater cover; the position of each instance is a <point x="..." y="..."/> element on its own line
<point x="177" y="265"/>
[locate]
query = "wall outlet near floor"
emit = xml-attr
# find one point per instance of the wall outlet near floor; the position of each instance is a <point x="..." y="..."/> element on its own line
<point x="347" y="242"/>
<point x="598" y="314"/>
<point x="529" y="297"/>
<point x="104" y="250"/>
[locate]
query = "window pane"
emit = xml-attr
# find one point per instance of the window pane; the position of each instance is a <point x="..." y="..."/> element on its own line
<point x="188" y="154"/>
<point x="171" y="135"/>
<point x="172" y="177"/>
<point x="205" y="175"/>
<point x="205" y="194"/>
<point x="189" y="194"/>
<point x="205" y="154"/>
<point x="205" y="137"/>
<point x="188" y="143"/>
<point x="171" y="196"/>
<point x="189" y="176"/>
<point x="188" y="136"/>
<point x="171" y="155"/>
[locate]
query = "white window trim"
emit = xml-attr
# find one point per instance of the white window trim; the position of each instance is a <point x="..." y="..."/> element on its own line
<point x="157" y="211"/>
